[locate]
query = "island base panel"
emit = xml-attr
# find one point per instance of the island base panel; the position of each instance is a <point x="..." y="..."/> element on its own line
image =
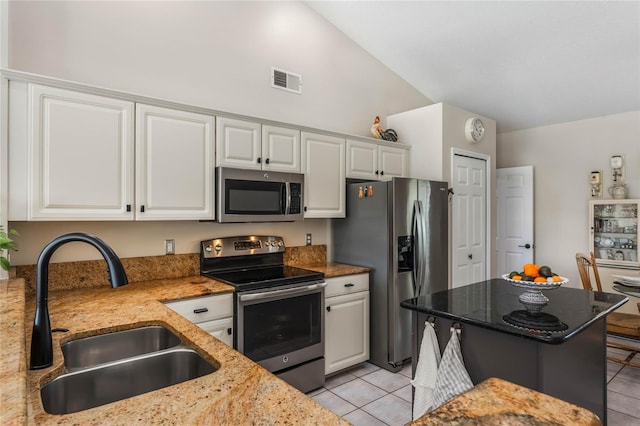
<point x="574" y="371"/>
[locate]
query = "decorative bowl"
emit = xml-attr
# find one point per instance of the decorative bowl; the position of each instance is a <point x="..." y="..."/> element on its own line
<point x="533" y="299"/>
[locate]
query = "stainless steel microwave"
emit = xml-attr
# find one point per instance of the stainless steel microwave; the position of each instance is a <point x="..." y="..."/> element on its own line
<point x="258" y="196"/>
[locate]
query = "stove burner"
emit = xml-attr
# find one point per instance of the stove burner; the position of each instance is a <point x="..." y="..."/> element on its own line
<point x="538" y="322"/>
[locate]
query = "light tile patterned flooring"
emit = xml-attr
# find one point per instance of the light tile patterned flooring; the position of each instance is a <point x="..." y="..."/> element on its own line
<point x="369" y="395"/>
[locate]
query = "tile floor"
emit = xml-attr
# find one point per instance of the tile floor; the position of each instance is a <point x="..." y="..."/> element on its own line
<point x="369" y="395"/>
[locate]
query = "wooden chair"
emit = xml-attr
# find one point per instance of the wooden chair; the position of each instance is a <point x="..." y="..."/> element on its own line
<point x="618" y="323"/>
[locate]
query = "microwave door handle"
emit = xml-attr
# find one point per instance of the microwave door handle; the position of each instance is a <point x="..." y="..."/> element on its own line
<point x="287" y="198"/>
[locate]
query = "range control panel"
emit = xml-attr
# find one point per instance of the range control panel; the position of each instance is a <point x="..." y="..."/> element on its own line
<point x="242" y="246"/>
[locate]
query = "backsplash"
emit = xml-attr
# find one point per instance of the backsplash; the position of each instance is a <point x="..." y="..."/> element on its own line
<point x="92" y="273"/>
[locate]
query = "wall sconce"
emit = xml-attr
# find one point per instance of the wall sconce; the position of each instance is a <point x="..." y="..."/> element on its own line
<point x="595" y="180"/>
<point x="617" y="168"/>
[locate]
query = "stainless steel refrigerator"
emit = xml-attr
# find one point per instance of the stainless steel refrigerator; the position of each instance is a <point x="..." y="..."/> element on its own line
<point x="398" y="229"/>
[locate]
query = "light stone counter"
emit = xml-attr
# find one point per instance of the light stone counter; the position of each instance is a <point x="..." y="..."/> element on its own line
<point x="239" y="392"/>
<point x="499" y="402"/>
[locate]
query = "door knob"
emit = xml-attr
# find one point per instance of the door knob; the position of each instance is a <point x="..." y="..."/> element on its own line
<point x="527" y="246"/>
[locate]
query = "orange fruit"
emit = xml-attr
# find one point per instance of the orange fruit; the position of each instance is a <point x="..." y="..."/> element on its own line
<point x="540" y="280"/>
<point x="516" y="277"/>
<point x="556" y="279"/>
<point x="532" y="270"/>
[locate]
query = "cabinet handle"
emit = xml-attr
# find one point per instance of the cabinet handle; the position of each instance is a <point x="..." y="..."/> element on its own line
<point x="229" y="331"/>
<point x="382" y="173"/>
<point x="266" y="161"/>
<point x="377" y="173"/>
<point x="142" y="208"/>
<point x="200" y="310"/>
<point x="305" y="208"/>
<point x="259" y="160"/>
<point x="328" y="308"/>
<point x="349" y="285"/>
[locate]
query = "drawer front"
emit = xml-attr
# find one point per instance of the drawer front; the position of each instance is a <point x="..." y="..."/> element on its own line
<point x="205" y="308"/>
<point x="346" y="285"/>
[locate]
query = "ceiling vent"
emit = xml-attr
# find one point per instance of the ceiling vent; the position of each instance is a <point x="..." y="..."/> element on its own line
<point x="286" y="80"/>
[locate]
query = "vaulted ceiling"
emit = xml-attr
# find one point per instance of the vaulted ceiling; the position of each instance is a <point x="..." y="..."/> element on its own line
<point x="523" y="63"/>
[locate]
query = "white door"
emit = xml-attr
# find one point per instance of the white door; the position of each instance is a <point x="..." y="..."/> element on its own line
<point x="515" y="218"/>
<point x="280" y="149"/>
<point x="346" y="330"/>
<point x="469" y="220"/>
<point x="82" y="156"/>
<point x="362" y="160"/>
<point x="323" y="165"/>
<point x="393" y="162"/>
<point x="238" y="143"/>
<point x="174" y="164"/>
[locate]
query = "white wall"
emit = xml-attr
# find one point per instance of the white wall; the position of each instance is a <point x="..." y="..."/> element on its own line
<point x="212" y="54"/>
<point x="562" y="156"/>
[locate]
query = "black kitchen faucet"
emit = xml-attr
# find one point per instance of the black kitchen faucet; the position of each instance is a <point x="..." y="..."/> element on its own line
<point x="41" y="342"/>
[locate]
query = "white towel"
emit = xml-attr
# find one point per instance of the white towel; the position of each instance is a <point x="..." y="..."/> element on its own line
<point x="453" y="378"/>
<point x="426" y="372"/>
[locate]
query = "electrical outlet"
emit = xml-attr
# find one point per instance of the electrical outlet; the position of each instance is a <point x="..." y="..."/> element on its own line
<point x="169" y="246"/>
<point x="308" y="239"/>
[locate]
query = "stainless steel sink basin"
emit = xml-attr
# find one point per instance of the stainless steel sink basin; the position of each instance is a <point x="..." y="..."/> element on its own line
<point x="95" y="350"/>
<point x="91" y="387"/>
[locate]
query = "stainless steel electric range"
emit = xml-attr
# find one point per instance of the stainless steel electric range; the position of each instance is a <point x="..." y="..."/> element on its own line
<point x="278" y="309"/>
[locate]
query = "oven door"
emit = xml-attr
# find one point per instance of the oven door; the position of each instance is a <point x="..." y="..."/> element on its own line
<point x="281" y="328"/>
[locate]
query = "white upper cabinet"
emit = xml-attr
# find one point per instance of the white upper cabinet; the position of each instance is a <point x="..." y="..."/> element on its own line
<point x="77" y="156"/>
<point x="370" y="161"/>
<point x="393" y="162"/>
<point x="238" y="144"/>
<point x="174" y="164"/>
<point x="323" y="165"/>
<point x="280" y="149"/>
<point x="250" y="145"/>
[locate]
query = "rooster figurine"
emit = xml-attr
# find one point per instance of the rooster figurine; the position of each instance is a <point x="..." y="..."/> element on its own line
<point x="378" y="133"/>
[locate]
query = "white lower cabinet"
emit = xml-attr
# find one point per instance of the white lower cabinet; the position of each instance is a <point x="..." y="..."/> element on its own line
<point x="346" y="322"/>
<point x="214" y="314"/>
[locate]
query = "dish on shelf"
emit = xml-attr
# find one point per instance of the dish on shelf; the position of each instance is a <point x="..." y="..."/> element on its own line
<point x="535" y="286"/>
<point x="628" y="281"/>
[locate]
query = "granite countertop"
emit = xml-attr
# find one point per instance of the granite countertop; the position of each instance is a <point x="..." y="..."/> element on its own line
<point x="239" y="392"/>
<point x="494" y="304"/>
<point x="498" y="402"/>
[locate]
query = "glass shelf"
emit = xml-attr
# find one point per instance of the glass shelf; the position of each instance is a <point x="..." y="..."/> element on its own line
<point x="614" y="232"/>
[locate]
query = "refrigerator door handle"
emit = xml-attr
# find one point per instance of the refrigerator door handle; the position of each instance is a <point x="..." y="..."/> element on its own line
<point x="414" y="231"/>
<point x="418" y="248"/>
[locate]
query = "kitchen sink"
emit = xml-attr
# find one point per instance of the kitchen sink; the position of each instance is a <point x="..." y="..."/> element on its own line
<point x="94" y="386"/>
<point x="95" y="350"/>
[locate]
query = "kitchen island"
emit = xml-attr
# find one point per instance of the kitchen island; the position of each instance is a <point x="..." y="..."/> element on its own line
<point x="239" y="392"/>
<point x="561" y="353"/>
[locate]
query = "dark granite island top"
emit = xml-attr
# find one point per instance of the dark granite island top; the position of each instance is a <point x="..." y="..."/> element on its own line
<point x="492" y="304"/>
<point x="561" y="352"/>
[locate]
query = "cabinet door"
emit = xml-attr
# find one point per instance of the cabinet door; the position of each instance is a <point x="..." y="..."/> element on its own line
<point x="221" y="329"/>
<point x="238" y="144"/>
<point x="174" y="164"/>
<point x="323" y="165"/>
<point x="280" y="149"/>
<point x="81" y="161"/>
<point x="346" y="331"/>
<point x="393" y="162"/>
<point x="362" y="160"/>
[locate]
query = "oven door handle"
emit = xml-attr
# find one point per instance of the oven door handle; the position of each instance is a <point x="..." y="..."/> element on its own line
<point x="280" y="293"/>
